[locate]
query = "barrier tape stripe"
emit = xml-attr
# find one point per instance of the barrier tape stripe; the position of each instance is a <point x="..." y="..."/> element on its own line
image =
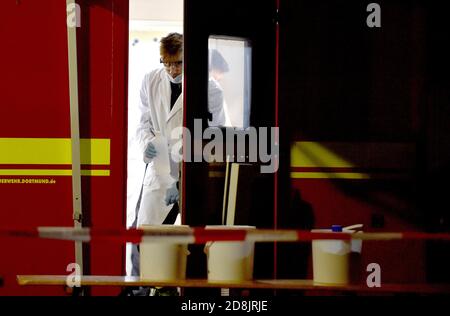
<point x="203" y="235"/>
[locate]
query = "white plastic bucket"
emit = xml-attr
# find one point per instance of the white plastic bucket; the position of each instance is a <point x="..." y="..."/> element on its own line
<point x="230" y="261"/>
<point x="331" y="259"/>
<point x="163" y="261"/>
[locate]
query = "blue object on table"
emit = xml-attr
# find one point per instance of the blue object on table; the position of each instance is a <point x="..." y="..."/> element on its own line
<point x="336" y="228"/>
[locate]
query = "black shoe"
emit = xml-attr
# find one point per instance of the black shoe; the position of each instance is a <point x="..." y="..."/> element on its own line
<point x="166" y="291"/>
<point x="136" y="291"/>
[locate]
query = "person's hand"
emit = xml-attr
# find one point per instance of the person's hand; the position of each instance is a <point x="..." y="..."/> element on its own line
<point x="150" y="151"/>
<point x="172" y="194"/>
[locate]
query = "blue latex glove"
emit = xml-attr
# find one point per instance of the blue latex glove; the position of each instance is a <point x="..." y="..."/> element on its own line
<point x="150" y="151"/>
<point x="172" y="194"/>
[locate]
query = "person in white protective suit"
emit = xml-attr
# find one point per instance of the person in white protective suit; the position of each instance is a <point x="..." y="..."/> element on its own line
<point x="216" y="102"/>
<point x="161" y="111"/>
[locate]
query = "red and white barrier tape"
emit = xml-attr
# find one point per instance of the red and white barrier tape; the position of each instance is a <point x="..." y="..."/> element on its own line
<point x="195" y="235"/>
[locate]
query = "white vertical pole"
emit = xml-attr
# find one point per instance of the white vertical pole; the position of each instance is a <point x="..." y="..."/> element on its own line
<point x="73" y="12"/>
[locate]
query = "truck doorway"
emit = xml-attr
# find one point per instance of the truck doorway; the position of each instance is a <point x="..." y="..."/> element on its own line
<point x="150" y="20"/>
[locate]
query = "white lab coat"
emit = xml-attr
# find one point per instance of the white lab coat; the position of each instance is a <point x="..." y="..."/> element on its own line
<point x="156" y="116"/>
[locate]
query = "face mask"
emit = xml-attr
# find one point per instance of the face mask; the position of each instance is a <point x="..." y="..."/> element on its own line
<point x="177" y="79"/>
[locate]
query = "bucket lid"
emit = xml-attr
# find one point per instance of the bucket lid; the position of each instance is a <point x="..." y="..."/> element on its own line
<point x="336" y="228"/>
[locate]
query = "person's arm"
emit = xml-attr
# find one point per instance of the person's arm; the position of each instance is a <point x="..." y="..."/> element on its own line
<point x="215" y="104"/>
<point x="145" y="131"/>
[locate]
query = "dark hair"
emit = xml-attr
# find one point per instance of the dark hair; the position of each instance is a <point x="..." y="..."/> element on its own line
<point x="172" y="44"/>
<point x="218" y="62"/>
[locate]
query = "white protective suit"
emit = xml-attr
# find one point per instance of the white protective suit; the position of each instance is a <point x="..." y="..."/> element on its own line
<point x="216" y="104"/>
<point x="156" y="117"/>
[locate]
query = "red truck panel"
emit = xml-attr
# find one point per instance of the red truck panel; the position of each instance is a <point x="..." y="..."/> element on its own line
<point x="34" y="103"/>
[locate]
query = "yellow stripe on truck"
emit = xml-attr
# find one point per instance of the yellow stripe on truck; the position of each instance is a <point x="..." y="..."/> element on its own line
<point x="346" y="159"/>
<point x="313" y="154"/>
<point x="53" y="151"/>
<point x="52" y="172"/>
<point x="329" y="175"/>
<point x="369" y="155"/>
